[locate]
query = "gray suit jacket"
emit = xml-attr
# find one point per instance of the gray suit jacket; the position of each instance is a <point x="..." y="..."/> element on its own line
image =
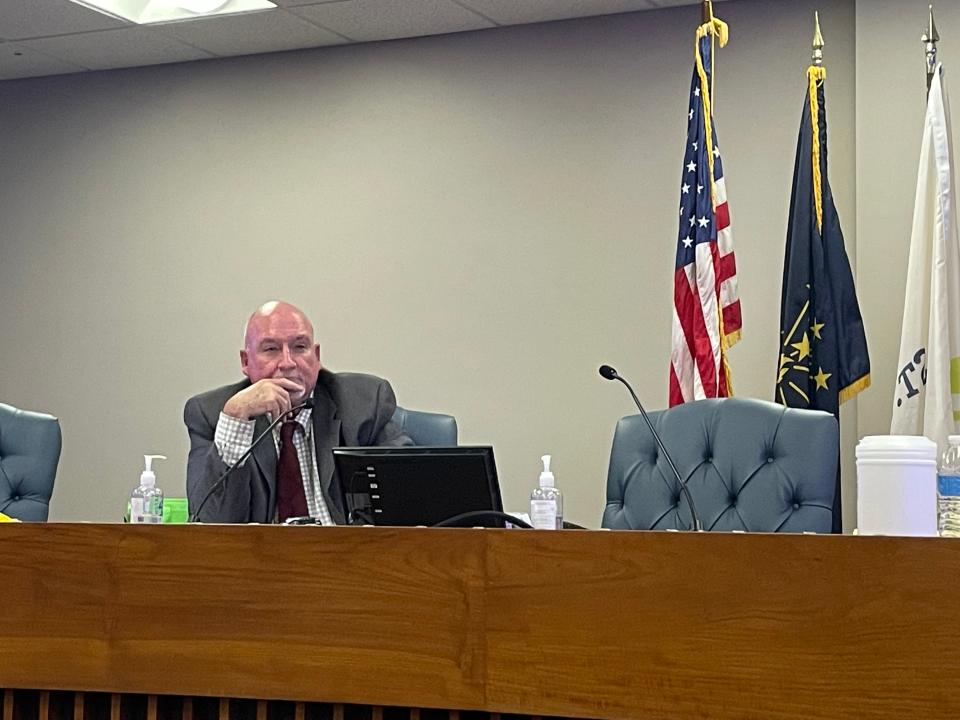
<point x="349" y="409"/>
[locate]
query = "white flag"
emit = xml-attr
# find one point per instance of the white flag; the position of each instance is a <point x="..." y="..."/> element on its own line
<point x="928" y="374"/>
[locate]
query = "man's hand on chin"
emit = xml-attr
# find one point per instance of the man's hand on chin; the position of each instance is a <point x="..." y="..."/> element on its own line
<point x="270" y="395"/>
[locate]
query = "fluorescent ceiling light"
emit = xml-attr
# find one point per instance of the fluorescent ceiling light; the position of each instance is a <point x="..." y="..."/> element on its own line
<point x="201" y="7"/>
<point x="159" y="11"/>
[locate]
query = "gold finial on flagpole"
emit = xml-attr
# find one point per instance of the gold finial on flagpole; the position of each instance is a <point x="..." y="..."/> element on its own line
<point x="817" y="40"/>
<point x="930" y="39"/>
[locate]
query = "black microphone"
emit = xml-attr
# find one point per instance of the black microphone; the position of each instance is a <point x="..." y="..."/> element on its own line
<point x="221" y="481"/>
<point x="608" y="373"/>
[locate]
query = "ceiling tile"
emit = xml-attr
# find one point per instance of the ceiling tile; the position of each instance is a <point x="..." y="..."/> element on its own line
<point x="21" y="62"/>
<point x="249" y="33"/>
<point x="117" y="48"/>
<point x="378" y="20"/>
<point x="37" y="18"/>
<point x="517" y="12"/>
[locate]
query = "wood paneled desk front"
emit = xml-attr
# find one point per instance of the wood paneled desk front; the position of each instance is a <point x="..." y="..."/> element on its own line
<point x="382" y="622"/>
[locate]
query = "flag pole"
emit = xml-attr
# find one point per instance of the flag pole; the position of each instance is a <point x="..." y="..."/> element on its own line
<point x="706" y="8"/>
<point x="817" y="40"/>
<point x="930" y="39"/>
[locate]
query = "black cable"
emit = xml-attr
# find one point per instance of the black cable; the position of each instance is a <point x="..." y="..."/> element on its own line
<point x="465" y="519"/>
<point x="360" y="516"/>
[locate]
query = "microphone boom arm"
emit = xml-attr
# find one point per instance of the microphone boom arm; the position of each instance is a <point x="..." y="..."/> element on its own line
<point x="612" y="374"/>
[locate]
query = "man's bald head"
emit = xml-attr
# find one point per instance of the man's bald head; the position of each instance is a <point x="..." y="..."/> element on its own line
<point x="261" y="316"/>
<point x="279" y="342"/>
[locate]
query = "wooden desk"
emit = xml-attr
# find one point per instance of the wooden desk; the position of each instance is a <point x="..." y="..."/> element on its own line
<point x="576" y="623"/>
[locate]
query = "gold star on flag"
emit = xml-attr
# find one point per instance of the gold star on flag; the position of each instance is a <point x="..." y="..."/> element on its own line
<point x="816" y="328"/>
<point x="821" y="378"/>
<point x="803" y="346"/>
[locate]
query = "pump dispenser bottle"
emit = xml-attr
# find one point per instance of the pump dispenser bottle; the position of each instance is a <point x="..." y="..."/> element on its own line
<point x="146" y="501"/>
<point x="546" y="502"/>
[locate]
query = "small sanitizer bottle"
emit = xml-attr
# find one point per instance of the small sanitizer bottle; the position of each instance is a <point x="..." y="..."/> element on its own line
<point x="146" y="501"/>
<point x="546" y="502"/>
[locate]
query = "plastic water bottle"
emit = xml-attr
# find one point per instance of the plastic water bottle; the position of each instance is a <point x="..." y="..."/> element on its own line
<point x="948" y="490"/>
<point x="546" y="502"/>
<point x="146" y="501"/>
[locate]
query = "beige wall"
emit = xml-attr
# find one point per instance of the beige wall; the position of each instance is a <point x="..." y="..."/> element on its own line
<point x="483" y="218"/>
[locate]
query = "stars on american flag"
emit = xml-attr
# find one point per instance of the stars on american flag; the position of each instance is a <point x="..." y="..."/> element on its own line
<point x="696" y="208"/>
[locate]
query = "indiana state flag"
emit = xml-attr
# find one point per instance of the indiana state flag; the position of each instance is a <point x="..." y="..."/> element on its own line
<point x="823" y="348"/>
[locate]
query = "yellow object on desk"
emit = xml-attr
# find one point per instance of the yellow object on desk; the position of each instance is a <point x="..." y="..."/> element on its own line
<point x="7" y="518"/>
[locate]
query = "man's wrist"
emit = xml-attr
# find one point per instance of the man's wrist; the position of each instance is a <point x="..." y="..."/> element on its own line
<point x="233" y="437"/>
<point x="235" y="412"/>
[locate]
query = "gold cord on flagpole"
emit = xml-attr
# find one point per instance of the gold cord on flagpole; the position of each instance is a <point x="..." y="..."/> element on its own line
<point x="716" y="28"/>
<point x="707" y="109"/>
<point x="708" y="19"/>
<point x="816" y="75"/>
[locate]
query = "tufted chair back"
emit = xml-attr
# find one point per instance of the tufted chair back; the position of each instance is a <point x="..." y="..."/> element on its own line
<point x="750" y="465"/>
<point x="427" y="428"/>
<point x="29" y="453"/>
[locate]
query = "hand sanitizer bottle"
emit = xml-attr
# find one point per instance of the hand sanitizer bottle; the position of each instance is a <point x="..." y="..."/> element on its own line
<point x="146" y="501"/>
<point x="546" y="502"/>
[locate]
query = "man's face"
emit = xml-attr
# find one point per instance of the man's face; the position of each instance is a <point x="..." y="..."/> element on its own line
<point x="280" y="345"/>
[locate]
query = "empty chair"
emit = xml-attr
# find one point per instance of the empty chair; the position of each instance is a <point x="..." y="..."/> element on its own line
<point x="749" y="464"/>
<point x="427" y="428"/>
<point x="29" y="452"/>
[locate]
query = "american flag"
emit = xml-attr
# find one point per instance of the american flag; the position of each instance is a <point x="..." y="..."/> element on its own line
<point x="706" y="305"/>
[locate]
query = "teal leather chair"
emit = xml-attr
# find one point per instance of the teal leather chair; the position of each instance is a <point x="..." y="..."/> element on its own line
<point x="30" y="445"/>
<point x="427" y="428"/>
<point x="750" y="465"/>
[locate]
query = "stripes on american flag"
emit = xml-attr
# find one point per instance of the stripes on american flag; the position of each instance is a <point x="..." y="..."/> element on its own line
<point x="706" y="307"/>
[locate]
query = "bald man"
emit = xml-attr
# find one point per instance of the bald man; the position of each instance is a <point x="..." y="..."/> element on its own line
<point x="294" y="475"/>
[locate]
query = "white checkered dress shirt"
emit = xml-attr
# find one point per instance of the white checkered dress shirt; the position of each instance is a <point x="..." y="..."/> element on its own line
<point x="233" y="438"/>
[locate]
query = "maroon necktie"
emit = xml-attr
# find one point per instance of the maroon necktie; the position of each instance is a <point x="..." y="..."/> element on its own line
<point x="291" y="500"/>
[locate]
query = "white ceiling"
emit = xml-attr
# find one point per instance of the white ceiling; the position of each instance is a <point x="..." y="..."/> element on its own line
<point x="50" y="37"/>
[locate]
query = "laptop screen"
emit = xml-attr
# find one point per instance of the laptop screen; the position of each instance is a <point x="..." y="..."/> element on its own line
<point x="410" y="486"/>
